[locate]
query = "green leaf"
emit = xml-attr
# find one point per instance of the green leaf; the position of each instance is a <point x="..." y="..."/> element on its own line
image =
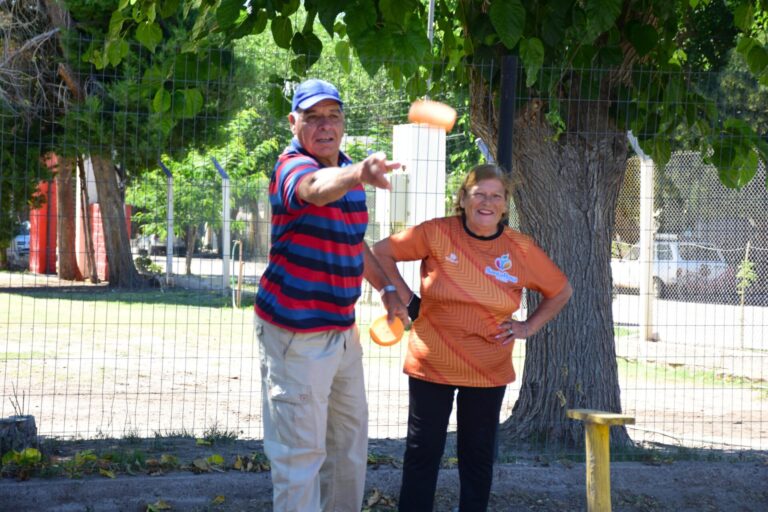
<point x="662" y="150"/>
<point x="228" y="13"/>
<point x="757" y="60"/>
<point x="307" y="50"/>
<point x="149" y="35"/>
<point x="746" y="163"/>
<point x="277" y="101"/>
<point x="116" y="24"/>
<point x="745" y="44"/>
<point x="395" y="11"/>
<point x="116" y="50"/>
<point x="107" y="473"/>
<point x="744" y="16"/>
<point x="328" y="11"/>
<point x="10" y="456"/>
<point x="254" y="23"/>
<point x="736" y="163"/>
<point x="300" y="65"/>
<point x="673" y="91"/>
<point x="601" y="16"/>
<point x="282" y="32"/>
<point x="532" y="54"/>
<point x="395" y="75"/>
<point x="342" y="55"/>
<point x="216" y="459"/>
<point x="151" y="12"/>
<point x="508" y="18"/>
<point x="643" y="38"/>
<point x="412" y="47"/>
<point x="610" y="56"/>
<point x="289" y="7"/>
<point x="298" y="44"/>
<point x="137" y="13"/>
<point x="193" y="102"/>
<point x="162" y="100"/>
<point x="416" y="86"/>
<point x="168" y="8"/>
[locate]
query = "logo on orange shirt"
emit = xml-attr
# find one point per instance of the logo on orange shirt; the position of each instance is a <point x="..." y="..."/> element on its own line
<point x="503" y="263"/>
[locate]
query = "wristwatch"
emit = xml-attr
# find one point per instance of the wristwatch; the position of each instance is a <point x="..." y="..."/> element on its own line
<point x="387" y="289"/>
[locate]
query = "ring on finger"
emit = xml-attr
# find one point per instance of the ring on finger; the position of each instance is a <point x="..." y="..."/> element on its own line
<point x="510" y="331"/>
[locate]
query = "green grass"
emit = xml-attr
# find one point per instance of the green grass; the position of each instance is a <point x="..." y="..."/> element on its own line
<point x="54" y="323"/>
<point x="16" y="356"/>
<point x="635" y="370"/>
<point x="172" y="297"/>
<point x="621" y="331"/>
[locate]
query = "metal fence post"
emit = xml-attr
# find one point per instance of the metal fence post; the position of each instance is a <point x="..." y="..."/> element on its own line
<point x="169" y="224"/>
<point x="225" y="227"/>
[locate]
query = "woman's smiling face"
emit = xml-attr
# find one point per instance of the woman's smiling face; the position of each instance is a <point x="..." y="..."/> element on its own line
<point x="484" y="204"/>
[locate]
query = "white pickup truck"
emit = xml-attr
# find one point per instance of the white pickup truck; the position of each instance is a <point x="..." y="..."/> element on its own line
<point x="684" y="267"/>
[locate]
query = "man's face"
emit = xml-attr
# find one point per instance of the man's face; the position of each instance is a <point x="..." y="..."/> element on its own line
<point x="319" y="130"/>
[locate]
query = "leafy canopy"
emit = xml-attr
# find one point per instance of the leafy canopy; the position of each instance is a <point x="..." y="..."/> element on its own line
<point x="555" y="40"/>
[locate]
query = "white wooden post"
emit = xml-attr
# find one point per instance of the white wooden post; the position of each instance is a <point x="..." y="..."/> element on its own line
<point x="646" y="243"/>
<point x="225" y="225"/>
<point x="419" y="194"/>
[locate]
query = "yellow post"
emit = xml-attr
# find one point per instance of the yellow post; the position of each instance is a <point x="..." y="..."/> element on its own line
<point x="598" y="464"/>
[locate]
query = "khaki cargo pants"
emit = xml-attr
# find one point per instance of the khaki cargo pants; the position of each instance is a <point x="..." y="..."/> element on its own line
<point x="315" y="418"/>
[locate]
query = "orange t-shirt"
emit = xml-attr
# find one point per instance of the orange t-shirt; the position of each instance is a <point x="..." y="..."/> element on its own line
<point x="468" y="287"/>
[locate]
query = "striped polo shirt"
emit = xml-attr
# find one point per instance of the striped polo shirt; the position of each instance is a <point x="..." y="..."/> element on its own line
<point x="316" y="263"/>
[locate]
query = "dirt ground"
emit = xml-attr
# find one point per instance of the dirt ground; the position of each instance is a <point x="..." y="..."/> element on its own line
<point x="198" y="374"/>
<point x="531" y="482"/>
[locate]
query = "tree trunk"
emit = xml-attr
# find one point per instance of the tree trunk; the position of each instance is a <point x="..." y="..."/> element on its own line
<point x="122" y="272"/>
<point x="566" y="192"/>
<point x="65" y="198"/>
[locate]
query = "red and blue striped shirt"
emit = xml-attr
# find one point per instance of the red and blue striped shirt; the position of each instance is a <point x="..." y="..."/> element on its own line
<point x="316" y="262"/>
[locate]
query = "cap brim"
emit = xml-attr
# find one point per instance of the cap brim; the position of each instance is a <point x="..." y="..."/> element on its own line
<point x="314" y="100"/>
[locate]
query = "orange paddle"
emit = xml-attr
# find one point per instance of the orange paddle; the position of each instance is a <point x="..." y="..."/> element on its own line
<point x="385" y="334"/>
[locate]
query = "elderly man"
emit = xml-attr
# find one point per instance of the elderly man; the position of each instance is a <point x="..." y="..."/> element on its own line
<point x="315" y="410"/>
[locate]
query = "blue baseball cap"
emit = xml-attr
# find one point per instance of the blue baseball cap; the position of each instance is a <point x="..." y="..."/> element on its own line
<point x="313" y="91"/>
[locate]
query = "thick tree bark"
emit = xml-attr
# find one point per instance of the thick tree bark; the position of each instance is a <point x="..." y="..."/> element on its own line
<point x="65" y="199"/>
<point x="566" y="197"/>
<point x="122" y="272"/>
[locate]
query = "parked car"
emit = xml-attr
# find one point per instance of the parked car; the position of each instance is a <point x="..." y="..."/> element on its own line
<point x="21" y="240"/>
<point x="154" y="246"/>
<point x="18" y="250"/>
<point x="685" y="267"/>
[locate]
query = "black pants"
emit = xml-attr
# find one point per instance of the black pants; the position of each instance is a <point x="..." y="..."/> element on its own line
<point x="477" y="415"/>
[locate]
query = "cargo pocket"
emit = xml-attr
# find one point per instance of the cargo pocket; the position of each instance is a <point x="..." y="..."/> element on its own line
<point x="293" y="415"/>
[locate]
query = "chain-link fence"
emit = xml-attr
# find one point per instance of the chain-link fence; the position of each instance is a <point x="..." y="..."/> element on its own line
<point x="88" y="360"/>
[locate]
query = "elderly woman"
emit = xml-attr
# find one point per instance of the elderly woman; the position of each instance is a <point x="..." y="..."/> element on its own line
<point x="473" y="271"/>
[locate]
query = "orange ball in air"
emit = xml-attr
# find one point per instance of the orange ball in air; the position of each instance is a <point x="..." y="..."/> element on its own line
<point x="432" y="113"/>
